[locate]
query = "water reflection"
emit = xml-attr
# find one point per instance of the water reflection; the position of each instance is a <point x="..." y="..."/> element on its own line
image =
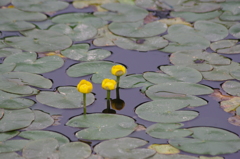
<point x="117" y="104"/>
<point x="108" y="110"/>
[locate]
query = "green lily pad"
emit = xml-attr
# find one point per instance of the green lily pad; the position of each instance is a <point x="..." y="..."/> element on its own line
<point x="81" y="52"/>
<point x="76" y="18"/>
<point x="164" y="111"/>
<point x="145" y="44"/>
<point x="174" y="156"/>
<point x="222" y="44"/>
<point x="167" y="131"/>
<point x="78" y="32"/>
<point x="235" y="30"/>
<point x="133" y="81"/>
<point x="8" y="135"/>
<point x="204" y="157"/>
<point x="208" y="140"/>
<point x="230" y="104"/>
<point x="138" y="29"/>
<point x="231" y="87"/>
<point x="229" y="16"/>
<point x="16" y="119"/>
<point x="41" y="134"/>
<point x="2" y="44"/>
<point x="235" y="73"/>
<point x="145" y="4"/>
<point x="123" y="148"/>
<point x="221" y="73"/>
<point x="12" y="145"/>
<point x="231" y="6"/>
<point x="42" y="120"/>
<point x="87" y="3"/>
<point x="7" y="67"/>
<point x="17" y="82"/>
<point x="74" y="150"/>
<point x="99" y="69"/>
<point x="102" y="126"/>
<point x="39" y="149"/>
<point x="122" y="13"/>
<point x="197" y="7"/>
<point x="1" y="113"/>
<point x="10" y="155"/>
<point x="95" y="157"/>
<point x="40" y="5"/>
<point x="9" y="51"/>
<point x="192" y="17"/>
<point x="40" y="41"/>
<point x="28" y="62"/>
<point x="64" y="98"/>
<point x="227" y="24"/>
<point x="174" y="74"/>
<point x="14" y="20"/>
<point x="4" y="2"/>
<point x="12" y="101"/>
<point x="202" y="61"/>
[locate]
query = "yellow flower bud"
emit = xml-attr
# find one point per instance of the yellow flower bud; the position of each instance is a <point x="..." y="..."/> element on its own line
<point x="109" y="84"/>
<point x="84" y="86"/>
<point x="118" y="70"/>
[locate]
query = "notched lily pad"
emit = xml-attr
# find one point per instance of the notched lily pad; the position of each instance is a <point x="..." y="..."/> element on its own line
<point x="64" y="98"/>
<point x="123" y="148"/>
<point x="232" y="87"/>
<point x="81" y="52"/>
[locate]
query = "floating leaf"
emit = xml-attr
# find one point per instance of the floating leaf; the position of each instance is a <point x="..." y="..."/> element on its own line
<point x="8" y="135"/>
<point x="204" y="157"/>
<point x="7" y="67"/>
<point x="28" y="62"/>
<point x="40" y="41"/>
<point x="173" y="21"/>
<point x="122" y="13"/>
<point x="40" y="5"/>
<point x="167" y="131"/>
<point x="202" y="61"/>
<point x="40" y="134"/>
<point x="235" y="30"/>
<point x="123" y="148"/>
<point x="102" y="126"/>
<point x="222" y="44"/>
<point x="99" y="69"/>
<point x="208" y="140"/>
<point x="227" y="24"/>
<point x="145" y="44"/>
<point x="74" y="150"/>
<point x="14" y="20"/>
<point x="16" y="119"/>
<point x="64" y="98"/>
<point x="164" y="111"/>
<point x="9" y="51"/>
<point x="44" y="148"/>
<point x="42" y="120"/>
<point x="231" y="104"/>
<point x="192" y="17"/>
<point x="78" y="32"/>
<point x="164" y="149"/>
<point x="12" y="145"/>
<point x="175" y="156"/>
<point x="76" y="18"/>
<point x="133" y="81"/>
<point x="81" y="52"/>
<point x="197" y="7"/>
<point x="86" y="3"/>
<point x="138" y="29"/>
<point x="1" y="113"/>
<point x="4" y="2"/>
<point x="231" y="6"/>
<point x="229" y="16"/>
<point x="10" y="155"/>
<point x="231" y="87"/>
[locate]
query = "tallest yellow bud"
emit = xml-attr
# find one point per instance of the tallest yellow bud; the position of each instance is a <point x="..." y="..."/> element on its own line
<point x="118" y="70"/>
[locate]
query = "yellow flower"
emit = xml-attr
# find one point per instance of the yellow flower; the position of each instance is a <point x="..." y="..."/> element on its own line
<point x="118" y="70"/>
<point x="84" y="86"/>
<point x="109" y="84"/>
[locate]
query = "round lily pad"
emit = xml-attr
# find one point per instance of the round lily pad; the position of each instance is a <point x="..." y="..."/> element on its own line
<point x="78" y="32"/>
<point x="16" y="119"/>
<point x="122" y="13"/>
<point x="28" y="62"/>
<point x="231" y="6"/>
<point x="102" y="126"/>
<point x="8" y="135"/>
<point x="123" y="148"/>
<point x="235" y="30"/>
<point x="81" y="52"/>
<point x="12" y="101"/>
<point x="197" y="7"/>
<point x="167" y="131"/>
<point x="208" y="140"/>
<point x="40" y="5"/>
<point x="145" y="44"/>
<point x="76" y="18"/>
<point x="174" y="156"/>
<point x="229" y="16"/>
<point x="64" y="98"/>
<point x="138" y="29"/>
<point x="222" y="44"/>
<point x="9" y="51"/>
<point x="99" y="69"/>
<point x="164" y="111"/>
<point x="231" y="87"/>
<point x="12" y="145"/>
<point x="41" y="134"/>
<point x="133" y="81"/>
<point x="40" y="41"/>
<point x="10" y="155"/>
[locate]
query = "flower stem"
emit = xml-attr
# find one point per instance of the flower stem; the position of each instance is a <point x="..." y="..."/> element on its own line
<point x="117" y="80"/>
<point x="84" y="103"/>
<point x="108" y="94"/>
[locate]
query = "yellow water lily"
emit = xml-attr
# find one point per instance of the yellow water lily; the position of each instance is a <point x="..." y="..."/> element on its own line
<point x="109" y="84"/>
<point x="118" y="70"/>
<point x="84" y="86"/>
